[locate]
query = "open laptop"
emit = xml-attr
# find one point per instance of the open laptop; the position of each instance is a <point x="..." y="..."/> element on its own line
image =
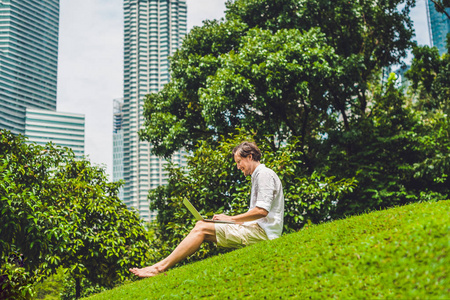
<point x="198" y="216"/>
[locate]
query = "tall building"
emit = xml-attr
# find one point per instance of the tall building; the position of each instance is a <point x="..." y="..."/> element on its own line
<point x="154" y="29"/>
<point x="438" y="27"/>
<point x="118" y="142"/>
<point x="28" y="75"/>
<point x="28" y="59"/>
<point x="62" y="129"/>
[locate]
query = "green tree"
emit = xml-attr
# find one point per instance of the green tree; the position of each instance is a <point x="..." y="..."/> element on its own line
<point x="321" y="82"/>
<point x="60" y="211"/>
<point x="398" y="154"/>
<point x="429" y="78"/>
<point x="273" y="86"/>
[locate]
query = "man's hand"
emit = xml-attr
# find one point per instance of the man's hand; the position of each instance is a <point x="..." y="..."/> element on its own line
<point x="252" y="215"/>
<point x="222" y="217"/>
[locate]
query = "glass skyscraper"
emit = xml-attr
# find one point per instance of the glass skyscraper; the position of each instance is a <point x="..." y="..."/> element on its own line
<point x="118" y="142"/>
<point x="28" y="59"/>
<point x="154" y="29"/>
<point x="28" y="75"/>
<point x="438" y="26"/>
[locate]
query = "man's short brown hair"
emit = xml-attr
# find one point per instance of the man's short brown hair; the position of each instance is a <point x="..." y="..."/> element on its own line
<point x="244" y="149"/>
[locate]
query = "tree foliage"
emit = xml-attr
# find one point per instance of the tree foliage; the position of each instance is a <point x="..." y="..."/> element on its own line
<point x="284" y="67"/>
<point x="430" y="78"/>
<point x="389" y="153"/>
<point x="60" y="211"/>
<point x="273" y="85"/>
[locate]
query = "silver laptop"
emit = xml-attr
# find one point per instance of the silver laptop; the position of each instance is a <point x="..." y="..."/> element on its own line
<point x="198" y="216"/>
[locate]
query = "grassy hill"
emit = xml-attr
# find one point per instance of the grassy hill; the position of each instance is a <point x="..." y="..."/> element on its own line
<point x="396" y="253"/>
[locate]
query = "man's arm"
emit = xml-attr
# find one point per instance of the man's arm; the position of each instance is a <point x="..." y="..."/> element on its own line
<point x="253" y="214"/>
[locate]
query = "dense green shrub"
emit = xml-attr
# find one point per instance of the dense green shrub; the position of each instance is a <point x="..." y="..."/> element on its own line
<point x="60" y="211"/>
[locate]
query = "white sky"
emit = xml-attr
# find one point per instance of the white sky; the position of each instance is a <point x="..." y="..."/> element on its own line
<point x="90" y="63"/>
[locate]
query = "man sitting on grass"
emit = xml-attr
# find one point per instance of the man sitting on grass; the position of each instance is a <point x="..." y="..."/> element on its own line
<point x="263" y="221"/>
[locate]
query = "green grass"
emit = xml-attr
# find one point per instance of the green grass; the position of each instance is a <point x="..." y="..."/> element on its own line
<point x="396" y="253"/>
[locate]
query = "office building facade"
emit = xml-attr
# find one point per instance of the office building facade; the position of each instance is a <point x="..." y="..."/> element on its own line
<point x="118" y="142"/>
<point x="62" y="129"/>
<point x="154" y="29"/>
<point x="28" y="59"/>
<point x="438" y="27"/>
<point x="28" y="75"/>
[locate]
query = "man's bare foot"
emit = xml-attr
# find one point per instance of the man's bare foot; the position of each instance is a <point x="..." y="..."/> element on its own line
<point x="146" y="272"/>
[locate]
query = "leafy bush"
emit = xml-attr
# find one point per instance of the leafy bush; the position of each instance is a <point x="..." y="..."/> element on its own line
<point x="15" y="283"/>
<point x="59" y="211"/>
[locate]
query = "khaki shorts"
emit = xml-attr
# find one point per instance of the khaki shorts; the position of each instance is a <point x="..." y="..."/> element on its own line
<point x="238" y="236"/>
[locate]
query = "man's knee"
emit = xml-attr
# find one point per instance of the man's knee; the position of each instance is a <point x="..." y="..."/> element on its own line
<point x="204" y="228"/>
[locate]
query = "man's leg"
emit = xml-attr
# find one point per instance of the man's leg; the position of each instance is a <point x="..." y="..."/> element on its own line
<point x="203" y="231"/>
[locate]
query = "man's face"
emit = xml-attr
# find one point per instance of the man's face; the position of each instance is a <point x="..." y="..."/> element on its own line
<point x="245" y="164"/>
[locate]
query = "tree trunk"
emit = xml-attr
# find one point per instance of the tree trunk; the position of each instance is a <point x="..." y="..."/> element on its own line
<point x="77" y="288"/>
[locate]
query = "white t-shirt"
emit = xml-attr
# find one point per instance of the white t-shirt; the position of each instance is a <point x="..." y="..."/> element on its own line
<point x="267" y="193"/>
